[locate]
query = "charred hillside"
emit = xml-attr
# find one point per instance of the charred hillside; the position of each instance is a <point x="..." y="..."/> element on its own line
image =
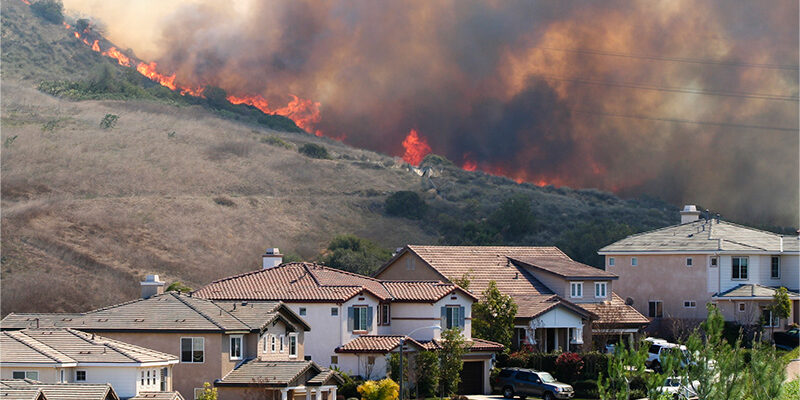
<point x="97" y="192"/>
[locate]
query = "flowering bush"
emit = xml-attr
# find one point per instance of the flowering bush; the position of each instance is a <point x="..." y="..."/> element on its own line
<point x="379" y="390"/>
<point x="569" y="366"/>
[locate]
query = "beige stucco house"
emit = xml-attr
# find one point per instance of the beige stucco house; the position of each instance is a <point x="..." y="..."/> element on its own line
<point x="562" y="304"/>
<point x="673" y="272"/>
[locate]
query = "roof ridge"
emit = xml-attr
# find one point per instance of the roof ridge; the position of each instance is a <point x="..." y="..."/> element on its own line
<point x="325" y="267"/>
<point x="124" y="303"/>
<point x="202" y="313"/>
<point x="743" y="244"/>
<point x="235" y="317"/>
<point x="94" y="340"/>
<point x="13" y="335"/>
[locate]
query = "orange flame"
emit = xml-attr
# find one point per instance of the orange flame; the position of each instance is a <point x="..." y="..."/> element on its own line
<point x="416" y="148"/>
<point x="149" y="70"/>
<point x="305" y="113"/>
<point x="122" y="59"/>
<point x="95" y="46"/>
<point x="26" y="2"/>
<point x="469" y="164"/>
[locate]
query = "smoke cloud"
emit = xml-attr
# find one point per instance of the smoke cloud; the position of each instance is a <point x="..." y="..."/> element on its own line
<point x="693" y="102"/>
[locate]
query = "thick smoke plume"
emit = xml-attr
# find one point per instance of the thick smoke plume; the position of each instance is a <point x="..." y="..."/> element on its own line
<point x="689" y="101"/>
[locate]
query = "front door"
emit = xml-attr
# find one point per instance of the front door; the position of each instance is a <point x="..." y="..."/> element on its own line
<point x="551" y="339"/>
<point x="471" y="378"/>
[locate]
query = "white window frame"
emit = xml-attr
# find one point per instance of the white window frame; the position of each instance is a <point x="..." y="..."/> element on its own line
<point x="231" y="338"/>
<point x="771" y="276"/>
<point x="280" y="342"/>
<point x="603" y="285"/>
<point x="85" y="375"/>
<point x="35" y="373"/>
<point x="573" y="294"/>
<point x="302" y="311"/>
<point x="662" y="309"/>
<point x="713" y="262"/>
<point x="273" y="344"/>
<point x="452" y="317"/>
<point x="611" y="261"/>
<point x="293" y="338"/>
<point x="689" y="262"/>
<point x="334" y="311"/>
<point x="741" y="307"/>
<point x="773" y="322"/>
<point x="634" y="261"/>
<point x="386" y="314"/>
<point x="359" y="316"/>
<point x="747" y="268"/>
<point x="691" y="304"/>
<point x="192" y="338"/>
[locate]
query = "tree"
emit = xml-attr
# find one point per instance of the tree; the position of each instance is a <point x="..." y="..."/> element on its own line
<point x="493" y="316"/>
<point x="451" y="356"/>
<point x="314" y="151"/>
<point x="385" y="389"/>
<point x="406" y="204"/>
<point x="781" y="305"/>
<point x="50" y="10"/>
<point x="464" y="281"/>
<point x="178" y="287"/>
<point x="208" y="393"/>
<point x="514" y="218"/>
<point x="766" y="371"/>
<point x="355" y="254"/>
<point x="426" y="371"/>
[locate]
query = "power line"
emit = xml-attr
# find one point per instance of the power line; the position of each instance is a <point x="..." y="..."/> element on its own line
<point x="673" y="89"/>
<point x="686" y="121"/>
<point x="672" y="59"/>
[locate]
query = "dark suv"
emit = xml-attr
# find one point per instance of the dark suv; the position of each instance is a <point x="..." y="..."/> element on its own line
<point x="527" y="382"/>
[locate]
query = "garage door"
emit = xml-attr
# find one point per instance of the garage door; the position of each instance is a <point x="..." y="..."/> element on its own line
<point x="471" y="378"/>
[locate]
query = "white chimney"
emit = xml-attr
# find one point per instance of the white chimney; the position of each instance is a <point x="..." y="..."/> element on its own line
<point x="272" y="258"/>
<point x="689" y="213"/>
<point x="151" y="286"/>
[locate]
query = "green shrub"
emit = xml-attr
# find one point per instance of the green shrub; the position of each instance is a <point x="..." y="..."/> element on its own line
<point x="355" y="254"/>
<point x="314" y="151"/>
<point x="405" y="204"/>
<point x="49" y="10"/>
<point x="568" y="367"/>
<point x="273" y="140"/>
<point x="426" y="366"/>
<point x="348" y="389"/>
<point x="109" y="121"/>
<point x="593" y="364"/>
<point x="9" y="141"/>
<point x="224" y="201"/>
<point x="586" y="388"/>
<point x="435" y="160"/>
<point x="385" y="389"/>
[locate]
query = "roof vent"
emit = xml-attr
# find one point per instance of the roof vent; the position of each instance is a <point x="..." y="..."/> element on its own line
<point x="689" y="213"/>
<point x="271" y="258"/>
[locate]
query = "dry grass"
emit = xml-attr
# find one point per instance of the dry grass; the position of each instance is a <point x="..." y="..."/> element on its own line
<point x="86" y="212"/>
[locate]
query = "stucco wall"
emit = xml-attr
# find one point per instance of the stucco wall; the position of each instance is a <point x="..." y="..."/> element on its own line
<point x="358" y="364"/>
<point x="399" y="269"/>
<point x="46" y="375"/>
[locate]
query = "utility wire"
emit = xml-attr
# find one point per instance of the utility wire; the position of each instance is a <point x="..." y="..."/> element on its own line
<point x="686" y="121"/>
<point x="673" y="89"/>
<point x="673" y="59"/>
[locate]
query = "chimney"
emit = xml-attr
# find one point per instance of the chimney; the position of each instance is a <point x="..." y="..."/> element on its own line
<point x="151" y="286"/>
<point x="689" y="214"/>
<point x="272" y="258"/>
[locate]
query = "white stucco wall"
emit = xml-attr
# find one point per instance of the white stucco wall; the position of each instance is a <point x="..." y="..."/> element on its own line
<point x="357" y="364"/>
<point x="406" y="317"/>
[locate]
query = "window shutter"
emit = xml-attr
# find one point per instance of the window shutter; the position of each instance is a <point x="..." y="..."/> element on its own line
<point x="461" y="317"/>
<point x="351" y="318"/>
<point x="369" y="318"/>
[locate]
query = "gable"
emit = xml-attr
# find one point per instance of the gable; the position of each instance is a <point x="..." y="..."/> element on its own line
<point x="398" y="269"/>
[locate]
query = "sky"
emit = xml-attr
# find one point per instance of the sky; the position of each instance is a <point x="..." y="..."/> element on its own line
<point x="695" y="102"/>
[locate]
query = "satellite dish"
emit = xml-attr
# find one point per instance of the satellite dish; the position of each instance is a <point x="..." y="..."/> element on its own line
<point x="629" y="301"/>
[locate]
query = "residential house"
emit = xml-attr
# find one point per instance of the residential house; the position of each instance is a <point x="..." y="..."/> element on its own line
<point x="63" y="355"/>
<point x="675" y="271"/>
<point x="25" y="388"/>
<point x="559" y="300"/>
<point x="359" y="320"/>
<point x="215" y="341"/>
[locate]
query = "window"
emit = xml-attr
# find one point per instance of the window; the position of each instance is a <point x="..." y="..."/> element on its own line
<point x="80" y="376"/>
<point x="576" y="289"/>
<point x="371" y="360"/>
<point x="361" y="318"/>
<point x="236" y="347"/>
<point x="335" y="360"/>
<point x="410" y="264"/>
<point x="775" y="267"/>
<point x="634" y="261"/>
<point x="164" y="374"/>
<point x="385" y="314"/>
<point x="610" y="261"/>
<point x="689" y="304"/>
<point x="600" y="289"/>
<point x="292" y="345"/>
<point x="307" y="358"/>
<point x="266" y="343"/>
<point x="334" y="311"/>
<point x="25" y="375"/>
<point x="655" y="309"/>
<point x="714" y="262"/>
<point x="689" y="261"/>
<point x="273" y="344"/>
<point x="739" y="268"/>
<point x="282" y="338"/>
<point x="192" y="349"/>
<point x="770" y="320"/>
<point x="62" y="377"/>
<point x="302" y="311"/>
<point x="742" y="307"/>
<point x="453" y="317"/>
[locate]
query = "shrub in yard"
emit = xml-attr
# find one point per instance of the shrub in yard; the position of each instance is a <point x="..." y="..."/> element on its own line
<point x="569" y="366"/>
<point x="406" y="204"/>
<point x="314" y="151"/>
<point x="50" y="10"/>
<point x="385" y="389"/>
<point x="586" y="388"/>
<point x="593" y="364"/>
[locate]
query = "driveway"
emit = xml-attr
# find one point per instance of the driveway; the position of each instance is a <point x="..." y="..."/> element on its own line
<point x="793" y="370"/>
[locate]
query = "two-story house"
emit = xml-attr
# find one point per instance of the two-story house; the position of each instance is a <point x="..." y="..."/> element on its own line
<point x="240" y="347"/>
<point x="357" y="320"/>
<point x="673" y="272"/>
<point x="63" y="355"/>
<point x="561" y="303"/>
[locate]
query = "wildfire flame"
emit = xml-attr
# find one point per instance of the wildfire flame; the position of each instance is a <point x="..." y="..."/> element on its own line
<point x="416" y="148"/>
<point x="122" y="59"/>
<point x="149" y="70"/>
<point x="305" y="113"/>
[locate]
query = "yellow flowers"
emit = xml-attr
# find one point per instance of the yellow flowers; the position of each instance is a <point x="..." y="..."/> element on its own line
<point x="385" y="389"/>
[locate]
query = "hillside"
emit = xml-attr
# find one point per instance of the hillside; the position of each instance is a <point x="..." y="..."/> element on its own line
<point x="180" y="191"/>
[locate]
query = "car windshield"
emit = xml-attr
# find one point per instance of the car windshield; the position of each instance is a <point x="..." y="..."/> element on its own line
<point x="546" y="378"/>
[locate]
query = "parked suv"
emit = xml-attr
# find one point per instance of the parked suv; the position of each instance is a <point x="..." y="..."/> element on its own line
<point x="527" y="382"/>
<point x="658" y="350"/>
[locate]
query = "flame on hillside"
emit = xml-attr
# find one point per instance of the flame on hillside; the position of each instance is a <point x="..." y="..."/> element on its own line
<point x="416" y="148"/>
<point x="305" y="113"/>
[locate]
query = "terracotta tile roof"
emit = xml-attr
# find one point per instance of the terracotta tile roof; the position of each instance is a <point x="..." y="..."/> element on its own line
<point x="702" y="235"/>
<point x="167" y="312"/>
<point x="381" y="344"/>
<point x="615" y="312"/>
<point x="63" y="391"/>
<point x="565" y="268"/>
<point x="68" y="346"/>
<point x="308" y="282"/>
<point x="473" y="344"/>
<point x="273" y="374"/>
<point x="157" y="396"/>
